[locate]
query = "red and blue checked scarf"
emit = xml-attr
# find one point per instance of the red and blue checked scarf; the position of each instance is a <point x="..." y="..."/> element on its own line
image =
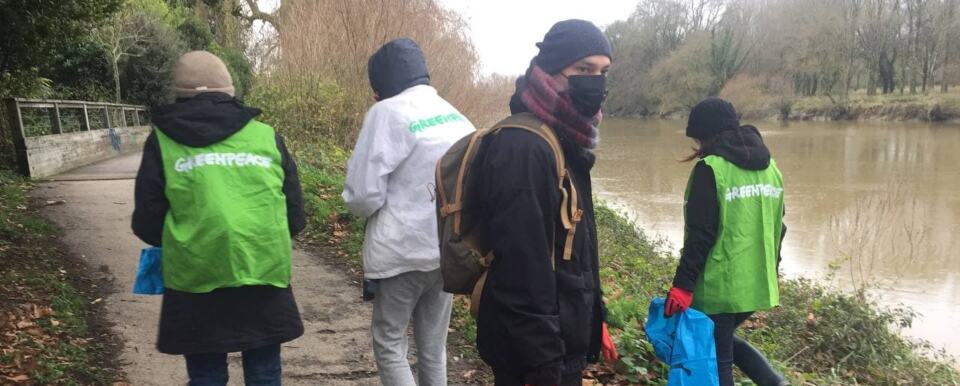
<point x="556" y="109"/>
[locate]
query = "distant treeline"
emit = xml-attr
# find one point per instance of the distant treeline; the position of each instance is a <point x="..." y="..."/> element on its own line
<point x="671" y="53"/>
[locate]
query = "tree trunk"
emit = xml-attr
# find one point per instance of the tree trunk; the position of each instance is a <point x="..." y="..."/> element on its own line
<point x="944" y="84"/>
<point x="116" y="79"/>
<point x="913" y="82"/>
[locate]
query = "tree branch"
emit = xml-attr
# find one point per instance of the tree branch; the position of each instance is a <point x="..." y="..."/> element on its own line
<point x="257" y="14"/>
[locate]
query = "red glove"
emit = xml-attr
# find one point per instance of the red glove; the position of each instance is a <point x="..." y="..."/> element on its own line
<point x="678" y="300"/>
<point x="607" y="349"/>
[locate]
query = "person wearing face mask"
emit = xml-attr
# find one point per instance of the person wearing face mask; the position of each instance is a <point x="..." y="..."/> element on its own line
<point x="541" y="313"/>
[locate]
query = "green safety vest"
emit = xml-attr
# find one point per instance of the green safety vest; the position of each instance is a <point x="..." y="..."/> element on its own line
<point x="741" y="271"/>
<point x="227" y="223"/>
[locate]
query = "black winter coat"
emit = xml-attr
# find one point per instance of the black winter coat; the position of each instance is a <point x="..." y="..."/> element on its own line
<point x="534" y="322"/>
<point x="226" y="319"/>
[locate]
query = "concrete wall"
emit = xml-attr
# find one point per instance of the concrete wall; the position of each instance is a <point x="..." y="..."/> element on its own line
<point x="52" y="154"/>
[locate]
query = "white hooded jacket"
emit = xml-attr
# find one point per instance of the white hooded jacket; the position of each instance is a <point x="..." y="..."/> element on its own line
<point x="390" y="179"/>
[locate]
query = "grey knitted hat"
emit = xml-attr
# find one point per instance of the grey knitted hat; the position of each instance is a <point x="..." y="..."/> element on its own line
<point x="197" y="72"/>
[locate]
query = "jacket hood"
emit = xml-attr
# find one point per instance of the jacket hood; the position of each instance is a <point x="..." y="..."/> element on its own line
<point x="204" y="119"/>
<point x="397" y="66"/>
<point x="743" y="147"/>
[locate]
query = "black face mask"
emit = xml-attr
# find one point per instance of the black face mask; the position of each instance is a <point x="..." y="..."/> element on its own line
<point x="588" y="93"/>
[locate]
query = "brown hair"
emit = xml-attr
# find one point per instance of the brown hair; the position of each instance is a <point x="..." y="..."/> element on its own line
<point x="701" y="149"/>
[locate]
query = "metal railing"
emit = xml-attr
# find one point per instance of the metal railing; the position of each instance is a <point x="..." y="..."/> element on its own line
<point x="38" y="117"/>
<point x="104" y="115"/>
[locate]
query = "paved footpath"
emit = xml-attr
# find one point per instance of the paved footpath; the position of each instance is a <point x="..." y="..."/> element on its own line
<point x="335" y="349"/>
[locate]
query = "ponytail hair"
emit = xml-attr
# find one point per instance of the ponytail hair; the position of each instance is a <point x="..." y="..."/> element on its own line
<point x="700" y="151"/>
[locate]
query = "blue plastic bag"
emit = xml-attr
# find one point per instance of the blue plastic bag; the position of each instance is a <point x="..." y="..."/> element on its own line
<point x="149" y="279"/>
<point x="685" y="342"/>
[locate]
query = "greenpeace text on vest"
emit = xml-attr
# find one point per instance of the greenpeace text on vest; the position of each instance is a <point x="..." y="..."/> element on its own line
<point x="185" y="164"/>
<point x="748" y="191"/>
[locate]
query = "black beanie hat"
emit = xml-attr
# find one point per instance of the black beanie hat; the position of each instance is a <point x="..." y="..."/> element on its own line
<point x="569" y="41"/>
<point x="710" y="117"/>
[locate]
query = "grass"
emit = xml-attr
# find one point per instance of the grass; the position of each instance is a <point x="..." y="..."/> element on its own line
<point x="322" y="168"/>
<point x="46" y="337"/>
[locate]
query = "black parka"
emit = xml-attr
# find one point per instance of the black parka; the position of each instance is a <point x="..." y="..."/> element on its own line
<point x="536" y="322"/>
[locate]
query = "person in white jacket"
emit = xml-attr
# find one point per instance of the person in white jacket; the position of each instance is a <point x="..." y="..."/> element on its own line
<point x="390" y="179"/>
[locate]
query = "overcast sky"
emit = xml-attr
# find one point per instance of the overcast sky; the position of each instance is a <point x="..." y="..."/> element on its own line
<point x="505" y="31"/>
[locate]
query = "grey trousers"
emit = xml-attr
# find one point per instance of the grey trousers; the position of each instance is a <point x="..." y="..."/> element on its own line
<point x="420" y="296"/>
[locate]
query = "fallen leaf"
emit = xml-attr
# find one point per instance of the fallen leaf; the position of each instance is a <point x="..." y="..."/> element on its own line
<point x="18" y="378"/>
<point x="96" y="301"/>
<point x="40" y="312"/>
<point x="25" y="324"/>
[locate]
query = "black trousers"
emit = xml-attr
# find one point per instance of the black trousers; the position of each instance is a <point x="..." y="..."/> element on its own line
<point x="502" y="378"/>
<point x="733" y="350"/>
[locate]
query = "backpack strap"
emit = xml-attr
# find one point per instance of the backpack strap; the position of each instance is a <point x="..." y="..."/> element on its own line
<point x="456" y="207"/>
<point x="570" y="212"/>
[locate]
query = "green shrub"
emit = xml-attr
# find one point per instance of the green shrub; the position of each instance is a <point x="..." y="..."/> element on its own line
<point x="305" y="109"/>
<point x="819" y="331"/>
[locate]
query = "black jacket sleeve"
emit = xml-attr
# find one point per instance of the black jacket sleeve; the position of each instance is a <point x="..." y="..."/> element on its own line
<point x="702" y="222"/>
<point x="296" y="216"/>
<point x="783" y="235"/>
<point x="150" y="202"/>
<point x="523" y="200"/>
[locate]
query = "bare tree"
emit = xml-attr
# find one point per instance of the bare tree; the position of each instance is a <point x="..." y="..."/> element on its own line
<point x="252" y="13"/>
<point x="334" y="39"/>
<point x="877" y="36"/>
<point x="947" y="28"/>
<point x="121" y="37"/>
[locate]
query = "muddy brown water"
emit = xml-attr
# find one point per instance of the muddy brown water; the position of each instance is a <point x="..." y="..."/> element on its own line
<point x="877" y="201"/>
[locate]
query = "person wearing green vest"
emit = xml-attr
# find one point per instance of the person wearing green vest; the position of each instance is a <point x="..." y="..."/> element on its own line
<point x="733" y="216"/>
<point x="218" y="191"/>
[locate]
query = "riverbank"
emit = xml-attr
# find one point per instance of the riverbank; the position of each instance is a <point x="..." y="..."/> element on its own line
<point x="933" y="107"/>
<point x="52" y="325"/>
<point x="819" y="335"/>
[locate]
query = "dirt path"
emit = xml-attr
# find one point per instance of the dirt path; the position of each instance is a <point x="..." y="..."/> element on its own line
<point x="95" y="217"/>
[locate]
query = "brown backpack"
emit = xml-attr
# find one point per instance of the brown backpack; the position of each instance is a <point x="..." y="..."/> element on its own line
<point x="465" y="254"/>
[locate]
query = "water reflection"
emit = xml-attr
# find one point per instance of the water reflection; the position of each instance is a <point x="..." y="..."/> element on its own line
<point x="888" y="193"/>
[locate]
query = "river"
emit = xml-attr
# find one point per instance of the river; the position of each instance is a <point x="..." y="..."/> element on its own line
<point x="879" y="201"/>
